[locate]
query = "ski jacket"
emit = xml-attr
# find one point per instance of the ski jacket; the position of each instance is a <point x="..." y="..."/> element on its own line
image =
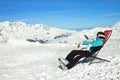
<point x="98" y="42"/>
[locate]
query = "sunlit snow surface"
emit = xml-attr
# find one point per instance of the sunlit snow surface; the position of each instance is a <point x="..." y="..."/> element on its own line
<point x="24" y="60"/>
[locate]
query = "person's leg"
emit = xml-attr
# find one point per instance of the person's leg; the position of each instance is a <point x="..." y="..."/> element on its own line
<point x="72" y="54"/>
<point x="76" y="58"/>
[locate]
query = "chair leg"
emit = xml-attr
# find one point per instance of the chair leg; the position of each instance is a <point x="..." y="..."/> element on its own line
<point x="102" y="59"/>
<point x="95" y="57"/>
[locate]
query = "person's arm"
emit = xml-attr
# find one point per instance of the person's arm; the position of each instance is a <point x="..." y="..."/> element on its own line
<point x="87" y="42"/>
<point x="94" y="43"/>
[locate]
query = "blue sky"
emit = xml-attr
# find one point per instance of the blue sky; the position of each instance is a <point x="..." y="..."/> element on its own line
<point x="68" y="14"/>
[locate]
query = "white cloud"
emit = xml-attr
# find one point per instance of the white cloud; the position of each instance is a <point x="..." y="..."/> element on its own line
<point x="111" y="14"/>
<point x="30" y="20"/>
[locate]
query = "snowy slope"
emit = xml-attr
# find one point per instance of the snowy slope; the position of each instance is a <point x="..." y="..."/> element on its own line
<point x="24" y="60"/>
<point x="116" y="31"/>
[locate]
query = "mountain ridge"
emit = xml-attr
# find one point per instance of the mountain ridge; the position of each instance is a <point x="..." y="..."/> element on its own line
<point x="43" y="33"/>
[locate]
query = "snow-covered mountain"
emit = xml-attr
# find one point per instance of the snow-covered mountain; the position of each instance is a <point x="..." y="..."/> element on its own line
<point x="45" y="34"/>
<point x="21" y="59"/>
<point x="37" y="33"/>
<point x="116" y="30"/>
<point x="116" y="26"/>
<point x="21" y="30"/>
<point x="33" y="32"/>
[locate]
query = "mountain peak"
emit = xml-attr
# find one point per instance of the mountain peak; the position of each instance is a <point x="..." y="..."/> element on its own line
<point x="116" y="26"/>
<point x="8" y="23"/>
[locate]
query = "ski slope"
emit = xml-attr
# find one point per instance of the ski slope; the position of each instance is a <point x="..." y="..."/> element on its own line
<point x="24" y="60"/>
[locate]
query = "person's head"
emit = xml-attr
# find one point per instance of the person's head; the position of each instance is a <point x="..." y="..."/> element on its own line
<point x="100" y="35"/>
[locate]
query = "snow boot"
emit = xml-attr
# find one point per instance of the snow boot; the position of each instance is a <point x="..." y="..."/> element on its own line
<point x="63" y="60"/>
<point x="63" y="67"/>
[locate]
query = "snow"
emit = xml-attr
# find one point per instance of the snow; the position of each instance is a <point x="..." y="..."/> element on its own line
<point x="24" y="60"/>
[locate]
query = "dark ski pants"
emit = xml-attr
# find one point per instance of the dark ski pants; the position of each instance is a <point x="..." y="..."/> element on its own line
<point x="74" y="56"/>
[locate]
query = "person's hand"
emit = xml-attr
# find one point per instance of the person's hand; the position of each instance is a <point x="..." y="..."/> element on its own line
<point x="87" y="48"/>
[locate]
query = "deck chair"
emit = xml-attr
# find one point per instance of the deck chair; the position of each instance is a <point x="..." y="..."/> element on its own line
<point x="95" y="53"/>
